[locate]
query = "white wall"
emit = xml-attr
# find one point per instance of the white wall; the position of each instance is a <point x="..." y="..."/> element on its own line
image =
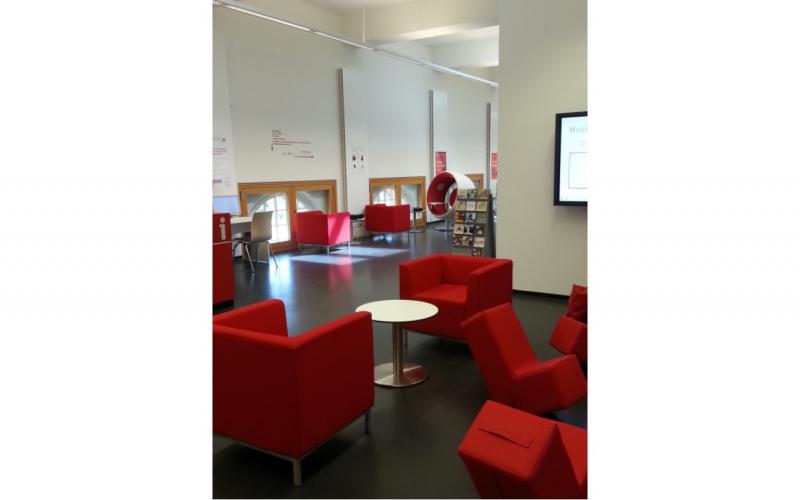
<point x="398" y="118"/>
<point x="283" y="78"/>
<point x="542" y="72"/>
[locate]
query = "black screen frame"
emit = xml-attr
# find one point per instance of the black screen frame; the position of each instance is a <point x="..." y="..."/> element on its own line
<point x="557" y="147"/>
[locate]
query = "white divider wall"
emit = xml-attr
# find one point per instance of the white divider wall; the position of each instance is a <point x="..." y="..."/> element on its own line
<point x="222" y="129"/>
<point x="354" y="135"/>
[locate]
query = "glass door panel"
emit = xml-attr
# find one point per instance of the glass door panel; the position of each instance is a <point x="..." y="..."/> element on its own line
<point x="383" y="194"/>
<point x="409" y="194"/>
<point x="317" y="199"/>
<point x="277" y="203"/>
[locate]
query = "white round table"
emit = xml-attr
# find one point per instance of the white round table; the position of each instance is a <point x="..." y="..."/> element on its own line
<point x="398" y="373"/>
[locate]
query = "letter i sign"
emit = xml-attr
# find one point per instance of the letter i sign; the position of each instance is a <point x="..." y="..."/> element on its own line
<point x="222" y="228"/>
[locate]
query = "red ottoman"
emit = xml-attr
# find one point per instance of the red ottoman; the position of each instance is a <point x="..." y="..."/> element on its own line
<point x="513" y="454"/>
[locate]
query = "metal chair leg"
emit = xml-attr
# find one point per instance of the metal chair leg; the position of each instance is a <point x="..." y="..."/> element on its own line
<point x="405" y="338"/>
<point x="368" y="422"/>
<point x="269" y="249"/>
<point x="296" y="476"/>
<point x="249" y="259"/>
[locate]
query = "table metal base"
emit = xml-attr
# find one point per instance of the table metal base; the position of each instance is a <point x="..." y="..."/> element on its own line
<point x="398" y="373"/>
<point x="413" y="374"/>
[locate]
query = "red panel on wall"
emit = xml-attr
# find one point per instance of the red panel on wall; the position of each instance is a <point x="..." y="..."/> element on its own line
<point x="441" y="161"/>
<point x="222" y="258"/>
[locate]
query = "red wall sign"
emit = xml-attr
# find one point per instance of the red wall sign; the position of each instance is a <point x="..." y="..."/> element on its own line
<point x="441" y="161"/>
<point x="493" y="165"/>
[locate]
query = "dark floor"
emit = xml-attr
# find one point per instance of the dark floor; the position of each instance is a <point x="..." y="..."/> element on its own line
<point x="411" y="452"/>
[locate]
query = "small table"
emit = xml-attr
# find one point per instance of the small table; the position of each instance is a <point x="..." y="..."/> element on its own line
<point x="398" y="373"/>
<point x="417" y="211"/>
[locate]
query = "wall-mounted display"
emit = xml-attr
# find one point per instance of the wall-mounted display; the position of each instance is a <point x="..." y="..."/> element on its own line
<point x="571" y="181"/>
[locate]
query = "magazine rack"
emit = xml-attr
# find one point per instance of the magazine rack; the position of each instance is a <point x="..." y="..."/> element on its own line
<point x="473" y="223"/>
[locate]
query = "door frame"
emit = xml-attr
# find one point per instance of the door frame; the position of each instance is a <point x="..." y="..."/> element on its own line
<point x="290" y="188"/>
<point x="397" y="182"/>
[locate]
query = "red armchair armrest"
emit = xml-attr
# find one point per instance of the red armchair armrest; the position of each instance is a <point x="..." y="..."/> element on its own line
<point x="254" y="389"/>
<point x="335" y="368"/>
<point x="401" y="217"/>
<point x="267" y="316"/>
<point x="420" y="274"/>
<point x="489" y="286"/>
<point x="338" y="227"/>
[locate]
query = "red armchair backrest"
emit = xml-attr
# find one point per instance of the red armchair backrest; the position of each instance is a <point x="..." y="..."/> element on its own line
<point x="380" y="217"/>
<point x="499" y="346"/>
<point x="289" y="394"/>
<point x="456" y="268"/>
<point x="420" y="274"/>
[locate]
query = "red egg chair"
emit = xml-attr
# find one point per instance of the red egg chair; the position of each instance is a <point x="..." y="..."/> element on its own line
<point x="443" y="192"/>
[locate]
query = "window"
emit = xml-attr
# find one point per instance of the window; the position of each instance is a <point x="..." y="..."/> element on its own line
<point x="284" y="200"/>
<point x="310" y="200"/>
<point x="277" y="203"/>
<point x="383" y="194"/>
<point x="400" y="191"/>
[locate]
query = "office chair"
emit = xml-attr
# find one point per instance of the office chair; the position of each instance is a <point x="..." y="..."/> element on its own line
<point x="260" y="232"/>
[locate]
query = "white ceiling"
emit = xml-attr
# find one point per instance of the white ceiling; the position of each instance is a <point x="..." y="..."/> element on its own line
<point x="343" y="6"/>
<point x="458" y="34"/>
<point x="489" y="33"/>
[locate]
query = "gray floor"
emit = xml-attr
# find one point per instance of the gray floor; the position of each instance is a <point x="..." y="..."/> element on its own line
<point x="411" y="452"/>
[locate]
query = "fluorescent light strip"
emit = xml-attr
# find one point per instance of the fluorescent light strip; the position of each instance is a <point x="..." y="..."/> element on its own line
<point x="342" y="40"/>
<point x="262" y="16"/>
<point x="246" y="9"/>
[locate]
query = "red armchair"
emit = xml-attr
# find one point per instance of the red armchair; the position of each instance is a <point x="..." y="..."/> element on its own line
<point x="458" y="285"/>
<point x="510" y="369"/>
<point x="381" y="218"/>
<point x="318" y="228"/>
<point x="287" y="395"/>
<point x="571" y="331"/>
<point x="512" y="454"/>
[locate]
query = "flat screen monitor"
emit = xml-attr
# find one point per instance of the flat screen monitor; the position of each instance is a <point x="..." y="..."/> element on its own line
<point x="571" y="151"/>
